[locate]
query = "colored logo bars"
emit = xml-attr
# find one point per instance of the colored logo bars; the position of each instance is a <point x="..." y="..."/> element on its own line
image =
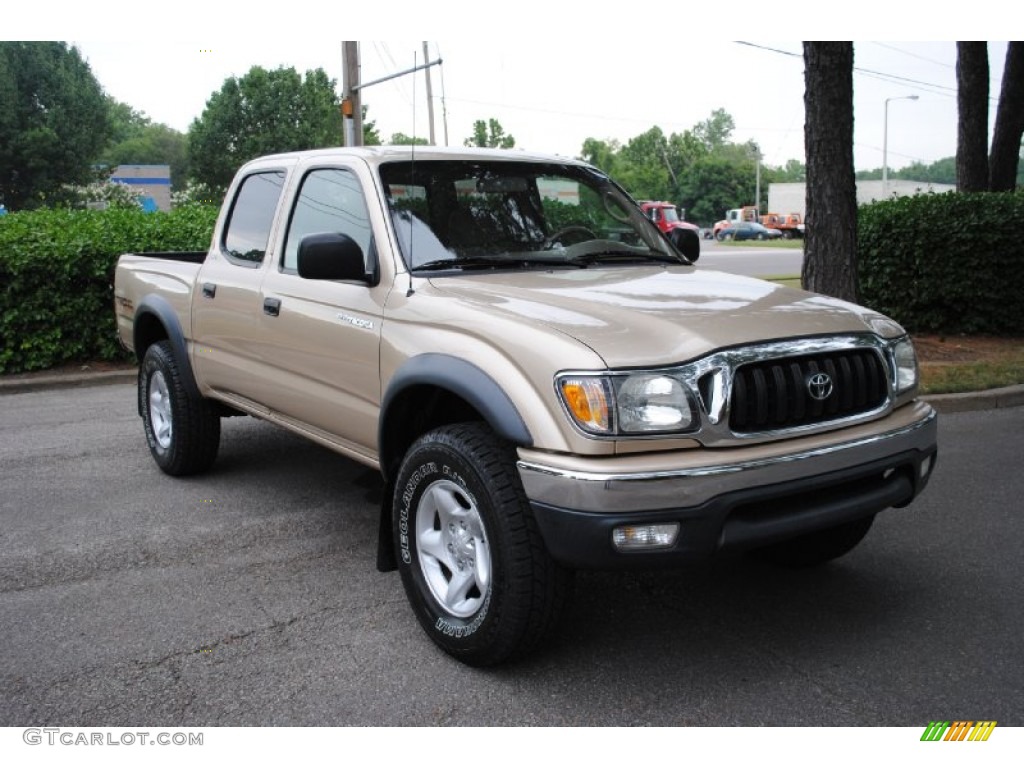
<point x="961" y="730"/>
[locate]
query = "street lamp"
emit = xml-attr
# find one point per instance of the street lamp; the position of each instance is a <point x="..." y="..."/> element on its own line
<point x="885" y="143"/>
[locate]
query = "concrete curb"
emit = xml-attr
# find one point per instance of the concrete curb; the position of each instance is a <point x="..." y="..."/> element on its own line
<point x="43" y="381"/>
<point x="1005" y="397"/>
<point x="987" y="400"/>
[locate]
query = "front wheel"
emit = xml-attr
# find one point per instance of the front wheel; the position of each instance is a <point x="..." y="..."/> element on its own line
<point x="818" y="547"/>
<point x="473" y="563"/>
<point x="182" y="430"/>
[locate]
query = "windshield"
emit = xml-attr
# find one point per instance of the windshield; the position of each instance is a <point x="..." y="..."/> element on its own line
<point x="468" y="214"/>
<point x="671" y="214"/>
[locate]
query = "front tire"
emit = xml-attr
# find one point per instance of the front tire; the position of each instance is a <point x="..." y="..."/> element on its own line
<point x="819" y="547"/>
<point x="183" y="431"/>
<point x="473" y="563"/>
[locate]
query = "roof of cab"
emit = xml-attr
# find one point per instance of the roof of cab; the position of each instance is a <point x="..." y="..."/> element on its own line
<point x="379" y="154"/>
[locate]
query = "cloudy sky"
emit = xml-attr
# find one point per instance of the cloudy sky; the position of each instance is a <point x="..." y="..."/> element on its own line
<point x="551" y="77"/>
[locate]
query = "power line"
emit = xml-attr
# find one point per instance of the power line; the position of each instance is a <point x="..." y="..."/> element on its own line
<point x="914" y="55"/>
<point x="860" y="70"/>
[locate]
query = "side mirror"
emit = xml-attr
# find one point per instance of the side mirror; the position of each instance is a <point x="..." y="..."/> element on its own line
<point x="331" y="256"/>
<point x="686" y="242"/>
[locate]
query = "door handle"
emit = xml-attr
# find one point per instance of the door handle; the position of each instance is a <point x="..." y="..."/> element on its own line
<point x="272" y="307"/>
<point x="209" y="290"/>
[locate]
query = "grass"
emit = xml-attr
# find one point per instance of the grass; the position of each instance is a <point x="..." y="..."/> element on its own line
<point x="958" y="363"/>
<point x="968" y="364"/>
<point x="791" y="281"/>
<point x="794" y="244"/>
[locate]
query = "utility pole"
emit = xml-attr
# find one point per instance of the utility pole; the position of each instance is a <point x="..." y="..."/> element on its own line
<point x="885" y="142"/>
<point x="352" y="103"/>
<point x="757" y="182"/>
<point x="430" y="95"/>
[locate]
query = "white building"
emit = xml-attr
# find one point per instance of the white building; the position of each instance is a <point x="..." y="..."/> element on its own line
<point x="792" y="197"/>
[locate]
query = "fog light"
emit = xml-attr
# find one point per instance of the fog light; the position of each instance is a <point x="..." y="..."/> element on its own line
<point x="632" y="537"/>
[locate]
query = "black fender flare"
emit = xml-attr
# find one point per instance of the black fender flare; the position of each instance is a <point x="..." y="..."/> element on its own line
<point x="157" y="306"/>
<point x="467" y="381"/>
<point x="464" y="379"/>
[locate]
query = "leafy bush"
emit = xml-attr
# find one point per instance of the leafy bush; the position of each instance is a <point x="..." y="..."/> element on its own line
<point x="950" y="263"/>
<point x="109" y="194"/>
<point x="57" y="274"/>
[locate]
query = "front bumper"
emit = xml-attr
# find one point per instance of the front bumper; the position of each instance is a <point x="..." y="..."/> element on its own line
<point x="729" y="498"/>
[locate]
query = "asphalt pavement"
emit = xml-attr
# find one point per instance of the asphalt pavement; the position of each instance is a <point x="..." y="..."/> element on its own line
<point x="248" y="596"/>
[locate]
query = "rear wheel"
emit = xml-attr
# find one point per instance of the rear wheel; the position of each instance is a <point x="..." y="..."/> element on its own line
<point x="182" y="430"/>
<point x="818" y="547"/>
<point x="473" y="564"/>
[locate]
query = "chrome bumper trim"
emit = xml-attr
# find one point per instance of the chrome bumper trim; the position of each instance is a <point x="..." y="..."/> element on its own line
<point x="686" y="487"/>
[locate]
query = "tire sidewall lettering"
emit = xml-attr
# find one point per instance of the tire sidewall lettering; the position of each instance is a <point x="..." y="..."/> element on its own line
<point x="426" y="472"/>
<point x="408" y="496"/>
<point x="451" y="629"/>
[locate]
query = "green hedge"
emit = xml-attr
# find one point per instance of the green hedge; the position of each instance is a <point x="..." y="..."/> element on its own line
<point x="949" y="263"/>
<point x="57" y="274"/>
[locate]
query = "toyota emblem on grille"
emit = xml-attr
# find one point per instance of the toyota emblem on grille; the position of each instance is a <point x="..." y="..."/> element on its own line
<point x="819" y="386"/>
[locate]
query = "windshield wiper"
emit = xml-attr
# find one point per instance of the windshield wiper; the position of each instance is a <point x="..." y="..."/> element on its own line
<point x="616" y="254"/>
<point x="485" y="262"/>
<point x="476" y="262"/>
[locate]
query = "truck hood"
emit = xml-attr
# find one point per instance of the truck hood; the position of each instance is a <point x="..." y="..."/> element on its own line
<point x="642" y="316"/>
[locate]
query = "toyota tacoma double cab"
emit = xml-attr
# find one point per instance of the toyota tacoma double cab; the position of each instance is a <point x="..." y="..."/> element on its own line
<point x="545" y="381"/>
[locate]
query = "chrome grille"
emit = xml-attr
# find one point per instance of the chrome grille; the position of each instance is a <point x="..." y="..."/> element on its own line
<point x="791" y="392"/>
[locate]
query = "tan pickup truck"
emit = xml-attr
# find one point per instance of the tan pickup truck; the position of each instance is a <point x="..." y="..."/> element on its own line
<point x="544" y="380"/>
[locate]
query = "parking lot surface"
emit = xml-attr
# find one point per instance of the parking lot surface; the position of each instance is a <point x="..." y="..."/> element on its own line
<point x="248" y="596"/>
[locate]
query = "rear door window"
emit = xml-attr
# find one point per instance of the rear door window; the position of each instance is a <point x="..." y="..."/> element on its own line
<point x="252" y="217"/>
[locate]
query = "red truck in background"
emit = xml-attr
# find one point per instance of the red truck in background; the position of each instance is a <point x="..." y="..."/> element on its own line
<point x="666" y="216"/>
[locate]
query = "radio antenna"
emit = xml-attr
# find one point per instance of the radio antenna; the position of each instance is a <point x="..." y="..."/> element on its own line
<point x="412" y="173"/>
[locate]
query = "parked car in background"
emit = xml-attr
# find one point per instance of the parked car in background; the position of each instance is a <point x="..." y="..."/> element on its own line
<point x="747" y="230"/>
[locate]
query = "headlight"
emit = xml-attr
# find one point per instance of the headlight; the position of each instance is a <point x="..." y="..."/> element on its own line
<point x="651" y="403"/>
<point x="906" y="366"/>
<point x="635" y="404"/>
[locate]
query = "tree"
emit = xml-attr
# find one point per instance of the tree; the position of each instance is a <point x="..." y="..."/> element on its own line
<point x="126" y="122"/>
<point x="53" y="121"/>
<point x="136" y="140"/>
<point x="261" y="113"/>
<point x="830" y="248"/>
<point x="698" y="169"/>
<point x="1009" y="127"/>
<point x="489" y="134"/>
<point x="714" y="132"/>
<point x="792" y="171"/>
<point x="942" y="171"/>
<point x="643" y="167"/>
<point x="371" y="136"/>
<point x="601" y="154"/>
<point x="712" y="185"/>
<point x="972" y="116"/>
<point x="400" y="139"/>
<point x="155" y="144"/>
